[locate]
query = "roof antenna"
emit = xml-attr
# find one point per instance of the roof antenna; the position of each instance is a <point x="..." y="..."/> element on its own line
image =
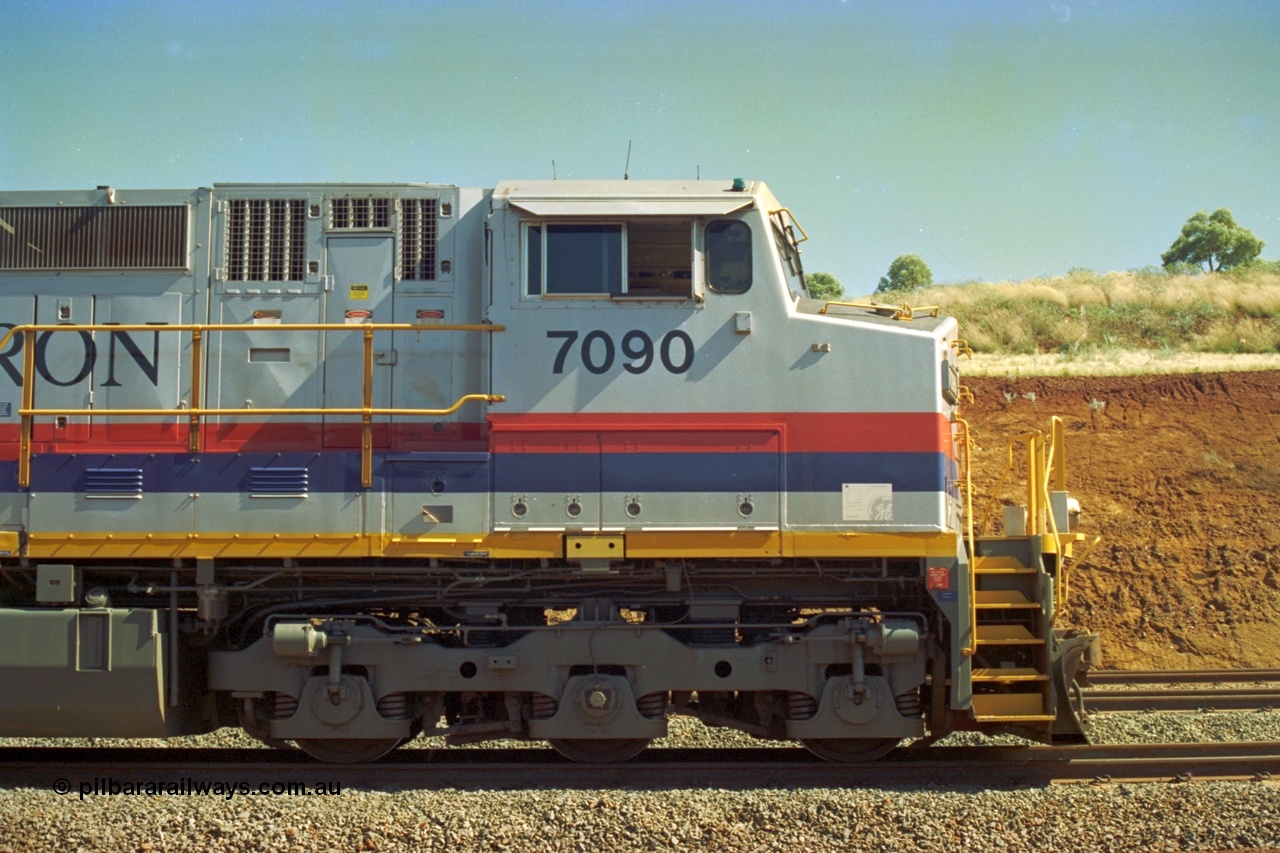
<point x="699" y="171"/>
<point x="553" y="170"/>
<point x="627" y="168"/>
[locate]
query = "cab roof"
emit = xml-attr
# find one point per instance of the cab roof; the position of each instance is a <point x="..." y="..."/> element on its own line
<point x="631" y="198"/>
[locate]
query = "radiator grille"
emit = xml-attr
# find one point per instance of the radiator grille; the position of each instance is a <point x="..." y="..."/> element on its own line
<point x="71" y="238"/>
<point x="113" y="483"/>
<point x="360" y="213"/>
<point x="418" y="239"/>
<point x="278" y="482"/>
<point x="266" y="239"/>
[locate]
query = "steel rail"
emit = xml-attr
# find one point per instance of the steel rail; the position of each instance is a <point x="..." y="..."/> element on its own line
<point x="92" y="771"/>
<point x="1182" y="676"/>
<point x="1181" y="699"/>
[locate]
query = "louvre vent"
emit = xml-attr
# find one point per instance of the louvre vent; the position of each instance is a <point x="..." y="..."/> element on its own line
<point x="351" y="213"/>
<point x="113" y="483"/>
<point x="278" y="482"/>
<point x="266" y="239"/>
<point x="418" y="239"/>
<point x="74" y="238"/>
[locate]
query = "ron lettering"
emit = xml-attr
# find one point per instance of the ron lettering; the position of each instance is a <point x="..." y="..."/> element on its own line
<point x="63" y="362"/>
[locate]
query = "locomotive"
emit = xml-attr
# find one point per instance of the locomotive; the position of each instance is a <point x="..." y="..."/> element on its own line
<point x="344" y="464"/>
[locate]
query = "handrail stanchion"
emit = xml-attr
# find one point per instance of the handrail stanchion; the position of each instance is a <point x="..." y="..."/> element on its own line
<point x="972" y="648"/>
<point x="197" y="390"/>
<point x="1059" y="431"/>
<point x="28" y="403"/>
<point x="1033" y="493"/>
<point x="366" y="412"/>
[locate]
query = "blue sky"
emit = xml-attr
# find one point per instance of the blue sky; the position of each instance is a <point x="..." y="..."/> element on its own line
<point x="998" y="139"/>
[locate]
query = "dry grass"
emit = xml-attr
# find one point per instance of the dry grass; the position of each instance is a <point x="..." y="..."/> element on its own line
<point x="1084" y="314"/>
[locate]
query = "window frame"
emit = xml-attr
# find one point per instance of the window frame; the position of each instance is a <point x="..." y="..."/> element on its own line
<point x="533" y="229"/>
<point x="541" y="226"/>
<point x="750" y="245"/>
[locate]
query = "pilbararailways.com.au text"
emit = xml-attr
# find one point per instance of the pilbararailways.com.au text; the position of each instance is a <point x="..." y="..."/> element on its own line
<point x="110" y="786"/>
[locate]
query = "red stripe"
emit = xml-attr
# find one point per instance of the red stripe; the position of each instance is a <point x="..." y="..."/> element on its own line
<point x="801" y="432"/>
<point x="658" y="440"/>
<point x="795" y="432"/>
<point x="240" y="436"/>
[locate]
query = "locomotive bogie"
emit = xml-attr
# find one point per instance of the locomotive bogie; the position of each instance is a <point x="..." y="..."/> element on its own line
<point x="852" y="676"/>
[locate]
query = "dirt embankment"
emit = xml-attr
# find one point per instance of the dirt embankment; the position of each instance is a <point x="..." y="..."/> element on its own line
<point x="1180" y="476"/>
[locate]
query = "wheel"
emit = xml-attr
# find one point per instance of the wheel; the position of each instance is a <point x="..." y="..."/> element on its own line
<point x="260" y="730"/>
<point x="851" y="750"/>
<point x="348" y="750"/>
<point x="588" y="751"/>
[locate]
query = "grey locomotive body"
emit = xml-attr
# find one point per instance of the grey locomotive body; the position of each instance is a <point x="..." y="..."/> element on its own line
<point x="346" y="463"/>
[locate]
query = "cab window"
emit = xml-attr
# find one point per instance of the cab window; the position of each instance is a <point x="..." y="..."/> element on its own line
<point x="728" y="256"/>
<point x="660" y="258"/>
<point x="649" y="258"/>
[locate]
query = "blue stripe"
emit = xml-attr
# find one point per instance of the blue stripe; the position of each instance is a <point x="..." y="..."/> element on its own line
<point x="827" y="472"/>
<point x="472" y="473"/>
<point x="207" y="472"/>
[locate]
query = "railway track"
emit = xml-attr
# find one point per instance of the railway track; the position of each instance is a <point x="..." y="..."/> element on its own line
<point x="1182" y="690"/>
<point x="92" y="771"/>
<point x="1183" y="676"/>
<point x="410" y="768"/>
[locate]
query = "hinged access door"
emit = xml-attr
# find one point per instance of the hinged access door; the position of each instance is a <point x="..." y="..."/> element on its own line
<point x="360" y="271"/>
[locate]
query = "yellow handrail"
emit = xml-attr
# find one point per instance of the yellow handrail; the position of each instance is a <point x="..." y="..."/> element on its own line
<point x="995" y="492"/>
<point x="301" y="410"/>
<point x="1064" y="569"/>
<point x="971" y="543"/>
<point x="900" y="312"/>
<point x="804" y="235"/>
<point x="1046" y="472"/>
<point x="28" y="412"/>
<point x="249" y="327"/>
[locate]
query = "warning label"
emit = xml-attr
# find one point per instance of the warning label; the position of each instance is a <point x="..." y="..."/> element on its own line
<point x="938" y="577"/>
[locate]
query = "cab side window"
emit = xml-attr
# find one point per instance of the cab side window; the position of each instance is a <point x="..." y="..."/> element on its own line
<point x="728" y="256"/>
<point x="574" y="259"/>
<point x="660" y="258"/>
<point x="649" y="258"/>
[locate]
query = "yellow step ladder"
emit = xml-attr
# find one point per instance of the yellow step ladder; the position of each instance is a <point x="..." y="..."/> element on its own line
<point x="1010" y="675"/>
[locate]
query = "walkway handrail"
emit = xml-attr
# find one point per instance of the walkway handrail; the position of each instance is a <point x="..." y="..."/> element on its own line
<point x="966" y="445"/>
<point x="197" y="411"/>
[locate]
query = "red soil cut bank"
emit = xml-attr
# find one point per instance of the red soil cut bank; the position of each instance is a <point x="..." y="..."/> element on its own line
<point x="1180" y="476"/>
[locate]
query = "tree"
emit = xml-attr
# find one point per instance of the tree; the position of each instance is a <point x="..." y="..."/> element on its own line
<point x="1214" y="239"/>
<point x="906" y="273"/>
<point x="823" y="285"/>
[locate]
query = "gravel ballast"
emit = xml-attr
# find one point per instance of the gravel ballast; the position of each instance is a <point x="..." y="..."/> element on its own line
<point x="1148" y="817"/>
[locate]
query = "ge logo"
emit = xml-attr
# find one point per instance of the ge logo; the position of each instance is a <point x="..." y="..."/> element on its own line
<point x="882" y="509"/>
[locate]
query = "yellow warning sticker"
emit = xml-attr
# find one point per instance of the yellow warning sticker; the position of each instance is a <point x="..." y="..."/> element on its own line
<point x="358" y="291"/>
